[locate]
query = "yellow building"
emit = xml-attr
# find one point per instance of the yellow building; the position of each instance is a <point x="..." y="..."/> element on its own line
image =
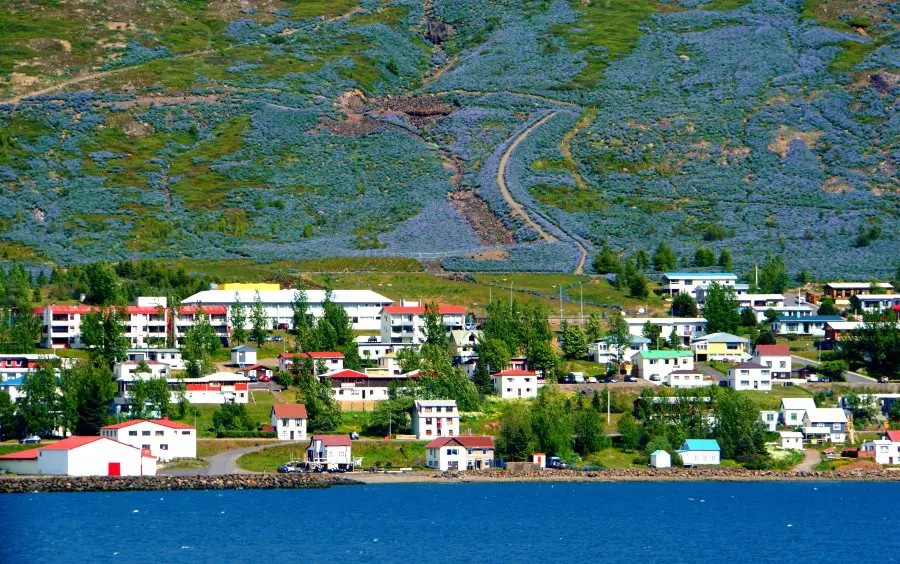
<point x="254" y="286"/>
<point x="721" y="346"/>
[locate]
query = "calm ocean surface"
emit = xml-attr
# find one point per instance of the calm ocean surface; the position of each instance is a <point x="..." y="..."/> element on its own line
<point x="522" y="522"/>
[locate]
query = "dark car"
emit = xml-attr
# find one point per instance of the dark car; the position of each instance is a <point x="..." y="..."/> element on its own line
<point x="354" y="435"/>
<point x="30" y="440"/>
<point x="631" y="378"/>
<point x="277" y="338"/>
<point x="610" y="380"/>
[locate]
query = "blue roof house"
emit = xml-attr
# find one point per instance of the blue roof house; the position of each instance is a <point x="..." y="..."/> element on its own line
<point x="700" y="452"/>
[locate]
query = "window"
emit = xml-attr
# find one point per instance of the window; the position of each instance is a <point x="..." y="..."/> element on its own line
<point x="185" y="432"/>
<point x="452" y="451"/>
<point x="781" y="364"/>
<point x="163" y="447"/>
<point x="836" y="427"/>
<point x="284" y="422"/>
<point x="428" y="420"/>
<point x="160" y="433"/>
<point x="146" y="447"/>
<point x="132" y="433"/>
<point x="793" y="416"/>
<point x="145" y="433"/>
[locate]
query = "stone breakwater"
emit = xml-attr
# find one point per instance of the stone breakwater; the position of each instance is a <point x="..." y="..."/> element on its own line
<point x="666" y="474"/>
<point x="27" y="484"/>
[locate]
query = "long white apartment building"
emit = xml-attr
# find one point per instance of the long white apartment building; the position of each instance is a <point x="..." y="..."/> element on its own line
<point x="674" y="283"/>
<point x="687" y="328"/>
<point x="878" y="302"/>
<point x="797" y="310"/>
<point x="405" y="323"/>
<point x="363" y="307"/>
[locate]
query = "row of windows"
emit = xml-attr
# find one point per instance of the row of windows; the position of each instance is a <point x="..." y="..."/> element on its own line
<point x="157" y="433"/>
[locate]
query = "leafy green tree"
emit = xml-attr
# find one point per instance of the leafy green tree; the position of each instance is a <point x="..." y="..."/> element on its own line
<point x="575" y="343"/>
<point x="861" y="406"/>
<point x="259" y="322"/>
<point x="592" y="329"/>
<point x="641" y="259"/>
<point x="87" y="393"/>
<point x="493" y="354"/>
<point x="441" y="380"/>
<point x="833" y="369"/>
<point x="435" y="329"/>
<point x="765" y="338"/>
<point x="748" y="318"/>
<point x="684" y="305"/>
<point x="150" y="397"/>
<point x="803" y="277"/>
<point x="200" y="344"/>
<point x="103" y="284"/>
<point x="629" y="432"/>
<point x="674" y="343"/>
<point x="481" y="377"/>
<point x="726" y="263"/>
<point x="721" y="309"/>
<point x="637" y="282"/>
<point x="41" y="407"/>
<point x="664" y="258"/>
<point x="739" y="431"/>
<point x="704" y="257"/>
<point x="773" y="276"/>
<point x="606" y="261"/>
<point x="827" y="307"/>
<point x="334" y="332"/>
<point x="652" y="332"/>
<point x="515" y="441"/>
<point x="232" y="417"/>
<point x="302" y="322"/>
<point x="589" y="432"/>
<point x="617" y="337"/>
<point x="238" y="321"/>
<point x="876" y="344"/>
<point x="7" y="415"/>
<point x="390" y="416"/>
<point x="536" y="337"/>
<point x="103" y="334"/>
<point x="409" y="359"/>
<point x="503" y="322"/>
<point x="322" y="410"/>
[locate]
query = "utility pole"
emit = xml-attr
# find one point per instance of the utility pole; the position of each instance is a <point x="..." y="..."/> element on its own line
<point x="491" y="294"/>
<point x="581" y="298"/>
<point x="510" y="294"/>
<point x="560" y="305"/>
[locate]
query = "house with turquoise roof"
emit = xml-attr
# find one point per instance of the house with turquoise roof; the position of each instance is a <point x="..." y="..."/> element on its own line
<point x="700" y="452"/>
<point x="656" y="366"/>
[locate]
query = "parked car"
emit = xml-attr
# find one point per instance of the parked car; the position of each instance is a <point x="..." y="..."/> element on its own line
<point x="30" y="439"/>
<point x="277" y="338"/>
<point x="354" y="435"/>
<point x="591" y="380"/>
<point x="373" y="340"/>
<point x="824" y="379"/>
<point x="264" y="378"/>
<point x="654" y="378"/>
<point x="556" y="462"/>
<point x="610" y="380"/>
<point x="289" y="467"/>
<point x="252" y="377"/>
<point x="631" y="379"/>
<point x="884" y="380"/>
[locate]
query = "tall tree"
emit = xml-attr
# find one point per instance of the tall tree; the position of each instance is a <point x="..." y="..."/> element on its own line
<point x="149" y="397"/>
<point x="589" y="432"/>
<point x="238" y="316"/>
<point x="493" y="354"/>
<point x="641" y="260"/>
<point x="87" y="392"/>
<point x="721" y="309"/>
<point x="739" y="431"/>
<point x="574" y="345"/>
<point x="515" y="441"/>
<point x="606" y="261"/>
<point x="200" y="343"/>
<point x="876" y="344"/>
<point x="323" y="412"/>
<point x="593" y="330"/>
<point x="40" y="407"/>
<point x="827" y="307"/>
<point x="503" y="322"/>
<point x="103" y="284"/>
<point x="435" y="329"/>
<point x="7" y="415"/>
<point x="652" y="332"/>
<point x="684" y="305"/>
<point x="103" y="334"/>
<point x="551" y="423"/>
<point x="334" y="332"/>
<point x="618" y="336"/>
<point x="704" y="257"/>
<point x="726" y="263"/>
<point x="259" y="322"/>
<point x="773" y="276"/>
<point x="630" y="432"/>
<point x="664" y="258"/>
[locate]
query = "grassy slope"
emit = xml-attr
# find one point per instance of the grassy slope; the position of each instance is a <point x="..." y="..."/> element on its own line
<point x="381" y="454"/>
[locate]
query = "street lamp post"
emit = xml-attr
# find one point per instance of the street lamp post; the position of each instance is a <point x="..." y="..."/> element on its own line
<point x="581" y="298"/>
<point x="560" y="305"/>
<point x="491" y="294"/>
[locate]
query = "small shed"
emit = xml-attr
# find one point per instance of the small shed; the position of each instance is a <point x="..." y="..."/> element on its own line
<point x="791" y="440"/>
<point x="660" y="459"/>
<point x="244" y="355"/>
<point x="539" y="459"/>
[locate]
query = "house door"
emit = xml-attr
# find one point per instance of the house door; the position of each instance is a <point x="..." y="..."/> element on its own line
<point x="292" y="435"/>
<point x="114" y="469"/>
<point x="364" y="394"/>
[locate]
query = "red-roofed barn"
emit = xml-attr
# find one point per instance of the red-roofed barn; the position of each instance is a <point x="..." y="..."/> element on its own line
<point x="82" y="456"/>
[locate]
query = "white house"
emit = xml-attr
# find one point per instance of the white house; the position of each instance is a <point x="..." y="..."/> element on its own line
<point x="777" y="358"/>
<point x="332" y="360"/>
<point x="887" y="448"/>
<point x="330" y="452"/>
<point x="435" y="418"/>
<point x="721" y="346"/>
<point x="680" y="379"/>
<point x="769" y="419"/>
<point x="289" y="420"/>
<point x="61" y="325"/>
<point x="749" y="376"/>
<point x="186" y="316"/>
<point x="216" y="388"/>
<point x="877" y="302"/>
<point x="763" y="301"/>
<point x="460" y="453"/>
<point x="463" y="344"/>
<point x="82" y="456"/>
<point x="791" y="440"/>
<point x="656" y="366"/>
<point x="796" y="310"/>
<point x="793" y="410"/>
<point x="700" y="452"/>
<point x="511" y="384"/>
<point x="686" y="328"/>
<point x="674" y="283"/>
<point x="660" y="459"/>
<point x="405" y="323"/>
<point x="350" y="387"/>
<point x="813" y="325"/>
<point x="363" y="307"/>
<point x="172" y="357"/>
<point x="605" y="353"/>
<point x="152" y="369"/>
<point x="244" y="355"/>
<point x="164" y="439"/>
<point x="18" y="365"/>
<point x="825" y="424"/>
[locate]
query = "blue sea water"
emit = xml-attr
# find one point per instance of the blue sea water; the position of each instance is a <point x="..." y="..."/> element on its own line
<point x="704" y="522"/>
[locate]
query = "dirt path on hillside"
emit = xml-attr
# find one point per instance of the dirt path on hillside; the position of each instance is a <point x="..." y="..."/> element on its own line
<point x="516" y="207"/>
<point x="510" y="93"/>
<point x="811" y="457"/>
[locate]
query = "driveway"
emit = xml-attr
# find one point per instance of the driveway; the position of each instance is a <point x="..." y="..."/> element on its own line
<point x="852" y="377"/>
<point x="811" y="457"/>
<point x="220" y="464"/>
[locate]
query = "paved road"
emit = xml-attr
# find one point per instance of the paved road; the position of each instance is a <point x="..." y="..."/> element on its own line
<point x="714" y="374"/>
<point x="220" y="464"/>
<point x="811" y="457"/>
<point x="852" y="377"/>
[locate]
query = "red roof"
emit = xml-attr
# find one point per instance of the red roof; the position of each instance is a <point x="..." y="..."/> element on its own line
<point x="333" y="440"/>
<point x="145" y="310"/>
<point x="893" y="436"/>
<point x="290" y="410"/>
<point x="316" y="354"/>
<point x="30" y="454"/>
<point x="514" y="372"/>
<point x="473" y="441"/>
<point x="773" y="350"/>
<point x="72" y="443"/>
<point x="346" y="373"/>
<point x="420" y="310"/>
<point x="257" y="367"/>
<point x="163" y="422"/>
<point x="208" y="309"/>
<point x="81" y="309"/>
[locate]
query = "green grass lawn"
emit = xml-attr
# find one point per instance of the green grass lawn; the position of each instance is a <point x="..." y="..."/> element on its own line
<point x="772" y="400"/>
<point x="259" y="411"/>
<point x="14" y="446"/>
<point x="380" y="454"/>
<point x="613" y="458"/>
<point x="209" y="447"/>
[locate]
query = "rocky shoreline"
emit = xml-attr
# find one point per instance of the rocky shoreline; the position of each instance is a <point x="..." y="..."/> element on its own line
<point x="30" y="484"/>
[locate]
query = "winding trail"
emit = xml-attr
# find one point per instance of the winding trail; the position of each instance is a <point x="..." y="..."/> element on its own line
<point x="516" y="207"/>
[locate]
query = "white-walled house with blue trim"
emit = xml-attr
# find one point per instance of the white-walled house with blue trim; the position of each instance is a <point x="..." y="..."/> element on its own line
<point x="813" y="325"/>
<point x="700" y="452"/>
<point x="687" y="328"/>
<point x="794" y="409"/>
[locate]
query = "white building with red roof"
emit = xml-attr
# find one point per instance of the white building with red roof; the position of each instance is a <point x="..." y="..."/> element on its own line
<point x="405" y="323"/>
<point x="82" y="456"/>
<point x="289" y="420"/>
<point x="887" y="448"/>
<point x="460" y="453"/>
<point x="333" y="360"/>
<point x="186" y="316"/>
<point x="61" y="324"/>
<point x="18" y="365"/>
<point x="777" y="358"/>
<point x="330" y="452"/>
<point x="165" y="439"/>
<point x="515" y="384"/>
<point x="350" y="386"/>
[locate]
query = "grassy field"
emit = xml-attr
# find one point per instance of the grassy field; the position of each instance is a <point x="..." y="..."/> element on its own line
<point x="612" y="458"/>
<point x="259" y="411"/>
<point x="772" y="400"/>
<point x="14" y="446"/>
<point x="380" y="454"/>
<point x="209" y="447"/>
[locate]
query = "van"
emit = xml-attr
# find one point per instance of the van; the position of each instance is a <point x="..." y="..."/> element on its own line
<point x="576" y="377"/>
